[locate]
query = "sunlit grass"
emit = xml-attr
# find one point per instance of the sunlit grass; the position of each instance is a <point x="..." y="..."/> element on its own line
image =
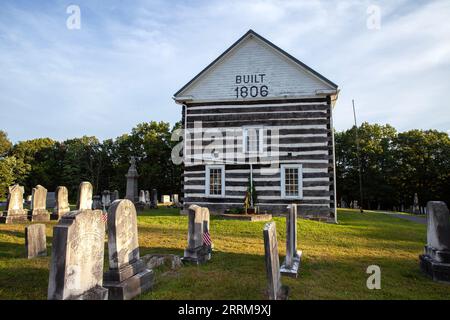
<point x="334" y="263"/>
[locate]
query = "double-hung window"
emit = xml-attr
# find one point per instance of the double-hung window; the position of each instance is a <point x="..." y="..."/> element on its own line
<point x="215" y="181"/>
<point x="291" y="181"/>
<point x="253" y="139"/>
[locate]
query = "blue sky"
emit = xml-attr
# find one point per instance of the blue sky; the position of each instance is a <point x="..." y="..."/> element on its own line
<point x="124" y="64"/>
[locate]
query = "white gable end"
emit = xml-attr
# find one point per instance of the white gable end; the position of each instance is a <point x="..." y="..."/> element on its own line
<point x="252" y="71"/>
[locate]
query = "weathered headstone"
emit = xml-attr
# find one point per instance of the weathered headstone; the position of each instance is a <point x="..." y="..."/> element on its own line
<point x="76" y="269"/>
<point x="35" y="241"/>
<point x="114" y="195"/>
<point x="276" y="291"/>
<point x="127" y="276"/>
<point x="291" y="264"/>
<point x="84" y="201"/>
<point x="132" y="182"/>
<point x="176" y="200"/>
<point x="436" y="258"/>
<point x="207" y="242"/>
<point x="51" y="200"/>
<point x="148" y="200"/>
<point x="106" y="198"/>
<point x="142" y="196"/>
<point x="14" y="206"/>
<point x="165" y="199"/>
<point x="154" y="198"/>
<point x="97" y="203"/>
<point x="196" y="252"/>
<point x="416" y="206"/>
<point x="62" y="203"/>
<point x="38" y="205"/>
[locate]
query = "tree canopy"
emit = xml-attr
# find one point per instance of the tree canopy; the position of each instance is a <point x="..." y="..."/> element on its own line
<point x="394" y="165"/>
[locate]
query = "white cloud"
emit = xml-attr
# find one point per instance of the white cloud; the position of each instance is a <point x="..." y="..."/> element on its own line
<point x="125" y="63"/>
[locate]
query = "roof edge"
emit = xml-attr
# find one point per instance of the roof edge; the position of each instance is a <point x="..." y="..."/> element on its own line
<point x="253" y="33"/>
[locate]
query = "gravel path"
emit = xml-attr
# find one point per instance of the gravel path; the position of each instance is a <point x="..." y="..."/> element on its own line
<point x="417" y="219"/>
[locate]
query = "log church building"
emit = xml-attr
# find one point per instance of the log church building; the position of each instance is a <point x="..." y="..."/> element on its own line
<point x="258" y="119"/>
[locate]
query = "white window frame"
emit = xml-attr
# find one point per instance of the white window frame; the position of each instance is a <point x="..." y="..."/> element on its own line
<point x="207" y="180"/>
<point x="260" y="138"/>
<point x="283" y="180"/>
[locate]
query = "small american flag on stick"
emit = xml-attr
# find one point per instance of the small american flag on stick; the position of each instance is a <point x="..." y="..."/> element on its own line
<point x="207" y="238"/>
<point x="105" y="217"/>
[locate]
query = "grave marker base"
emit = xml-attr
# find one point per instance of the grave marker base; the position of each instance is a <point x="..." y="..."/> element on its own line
<point x="96" y="293"/>
<point x="437" y="255"/>
<point x="198" y="255"/>
<point x="131" y="287"/>
<point x="119" y="275"/>
<point x="39" y="217"/>
<point x="292" y="271"/>
<point x="438" y="271"/>
<point x="14" y="218"/>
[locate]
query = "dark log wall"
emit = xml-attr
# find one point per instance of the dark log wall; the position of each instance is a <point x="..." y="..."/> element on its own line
<point x="299" y="131"/>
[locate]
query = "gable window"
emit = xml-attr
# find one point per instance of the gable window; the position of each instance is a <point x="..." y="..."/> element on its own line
<point x="215" y="180"/>
<point x="291" y="181"/>
<point x="252" y="139"/>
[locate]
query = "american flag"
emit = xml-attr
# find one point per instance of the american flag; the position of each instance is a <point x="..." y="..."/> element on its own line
<point x="207" y="238"/>
<point x="105" y="217"/>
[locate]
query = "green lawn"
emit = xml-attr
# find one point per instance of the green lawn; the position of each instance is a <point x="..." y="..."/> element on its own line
<point x="335" y="258"/>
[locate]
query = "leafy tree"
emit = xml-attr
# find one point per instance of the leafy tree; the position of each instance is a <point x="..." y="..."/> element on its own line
<point x="5" y="144"/>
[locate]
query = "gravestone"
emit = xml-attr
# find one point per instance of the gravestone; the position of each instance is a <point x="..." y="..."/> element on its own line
<point x="142" y="196"/>
<point x="97" y="203"/>
<point x="291" y="264"/>
<point x="38" y="205"/>
<point x="115" y="195"/>
<point x="76" y="269"/>
<point x="127" y="276"/>
<point x="176" y="200"/>
<point x="62" y="203"/>
<point x="106" y="198"/>
<point x="140" y="205"/>
<point x="14" y="211"/>
<point x="196" y="252"/>
<point x="147" y="197"/>
<point x="154" y="198"/>
<point x="35" y="241"/>
<point x="132" y="182"/>
<point x="84" y="201"/>
<point x="436" y="258"/>
<point x="207" y="242"/>
<point x="276" y="291"/>
<point x="416" y="207"/>
<point x="165" y="199"/>
<point x="51" y="200"/>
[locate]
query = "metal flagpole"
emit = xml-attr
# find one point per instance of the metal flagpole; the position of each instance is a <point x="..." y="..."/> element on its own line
<point x="359" y="160"/>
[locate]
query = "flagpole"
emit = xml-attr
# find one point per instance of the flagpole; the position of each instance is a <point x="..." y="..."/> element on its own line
<point x="359" y="159"/>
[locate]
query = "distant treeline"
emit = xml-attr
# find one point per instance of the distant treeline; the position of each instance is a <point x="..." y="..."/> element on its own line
<point x="394" y="165"/>
<point x="51" y="163"/>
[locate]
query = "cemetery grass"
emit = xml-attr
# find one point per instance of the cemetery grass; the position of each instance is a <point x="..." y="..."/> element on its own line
<point x="334" y="262"/>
